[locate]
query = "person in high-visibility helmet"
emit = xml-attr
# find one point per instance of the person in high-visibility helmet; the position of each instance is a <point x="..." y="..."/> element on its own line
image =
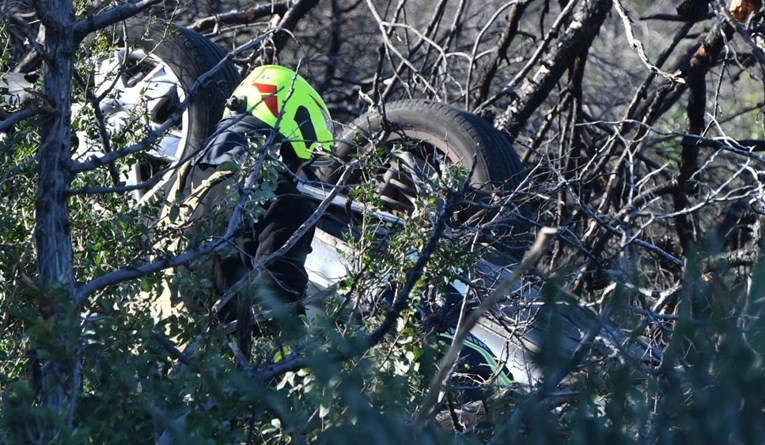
<point x="273" y="103"/>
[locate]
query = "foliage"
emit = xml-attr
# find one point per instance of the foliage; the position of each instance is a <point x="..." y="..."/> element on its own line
<point x="645" y="320"/>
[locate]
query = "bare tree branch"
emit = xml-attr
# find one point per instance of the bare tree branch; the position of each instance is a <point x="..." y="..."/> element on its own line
<point x="93" y="23"/>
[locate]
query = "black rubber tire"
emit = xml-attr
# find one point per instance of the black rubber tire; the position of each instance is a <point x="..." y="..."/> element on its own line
<point x="462" y="137"/>
<point x="189" y="55"/>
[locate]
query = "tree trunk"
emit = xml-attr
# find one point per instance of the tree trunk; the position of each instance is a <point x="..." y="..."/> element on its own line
<point x="52" y="230"/>
<point x="696" y="69"/>
<point x="584" y="26"/>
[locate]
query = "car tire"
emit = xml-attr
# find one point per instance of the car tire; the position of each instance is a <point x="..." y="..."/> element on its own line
<point x="441" y="133"/>
<point x="186" y="58"/>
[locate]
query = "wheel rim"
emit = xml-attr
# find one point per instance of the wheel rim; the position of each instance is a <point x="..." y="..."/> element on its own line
<point x="140" y="89"/>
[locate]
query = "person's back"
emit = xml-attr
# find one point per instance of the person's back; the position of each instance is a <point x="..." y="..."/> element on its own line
<point x="274" y="114"/>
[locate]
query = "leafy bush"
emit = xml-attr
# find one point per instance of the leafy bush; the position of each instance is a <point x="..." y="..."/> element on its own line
<point x="659" y="241"/>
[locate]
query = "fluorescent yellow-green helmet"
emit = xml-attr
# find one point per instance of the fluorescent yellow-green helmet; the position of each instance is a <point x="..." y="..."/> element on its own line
<point x="282" y="99"/>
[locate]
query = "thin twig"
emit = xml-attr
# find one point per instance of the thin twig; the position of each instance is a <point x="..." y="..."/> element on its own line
<point x="638" y="45"/>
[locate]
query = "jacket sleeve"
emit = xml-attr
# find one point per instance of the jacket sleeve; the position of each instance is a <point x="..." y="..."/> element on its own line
<point x="230" y="140"/>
